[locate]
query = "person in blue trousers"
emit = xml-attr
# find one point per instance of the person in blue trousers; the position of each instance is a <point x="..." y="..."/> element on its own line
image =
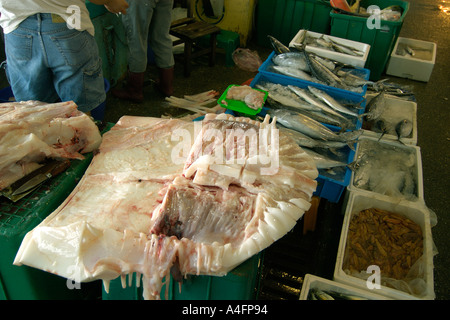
<point x="147" y="22"/>
<point x="51" y="53"/>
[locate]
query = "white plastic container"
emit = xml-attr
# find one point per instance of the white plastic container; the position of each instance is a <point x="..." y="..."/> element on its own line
<point x="356" y="61"/>
<point x="311" y="282"/>
<point x="418" y="67"/>
<point x="418" y="176"/>
<point x="395" y="110"/>
<point x="418" y="213"/>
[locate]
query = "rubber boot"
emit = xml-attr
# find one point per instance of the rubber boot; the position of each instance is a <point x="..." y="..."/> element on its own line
<point x="165" y="81"/>
<point x="133" y="89"/>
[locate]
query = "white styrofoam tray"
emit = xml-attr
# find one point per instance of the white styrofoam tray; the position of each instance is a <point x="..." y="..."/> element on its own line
<point x="418" y="67"/>
<point x="418" y="174"/>
<point x="314" y="282"/>
<point x="395" y="110"/>
<point x="356" y="61"/>
<point x="418" y="213"/>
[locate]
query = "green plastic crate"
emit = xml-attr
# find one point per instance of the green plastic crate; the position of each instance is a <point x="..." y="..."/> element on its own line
<point x="227" y="42"/>
<point x="282" y="19"/>
<point x="381" y="41"/>
<point x="241" y="283"/>
<point x="95" y="10"/>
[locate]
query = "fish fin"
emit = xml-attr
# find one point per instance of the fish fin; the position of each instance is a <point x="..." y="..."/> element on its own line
<point x="353" y="166"/>
<point x="351" y="144"/>
<point x="382" y="134"/>
<point x="361" y="116"/>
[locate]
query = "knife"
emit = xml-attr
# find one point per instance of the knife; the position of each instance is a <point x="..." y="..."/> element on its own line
<point x="42" y="174"/>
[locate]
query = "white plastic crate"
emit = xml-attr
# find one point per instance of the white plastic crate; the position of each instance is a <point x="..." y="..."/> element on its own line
<point x="395" y="110"/>
<point x="311" y="282"/>
<point x="418" y="213"/>
<point x="356" y="61"/>
<point x="418" y="67"/>
<point x="418" y="175"/>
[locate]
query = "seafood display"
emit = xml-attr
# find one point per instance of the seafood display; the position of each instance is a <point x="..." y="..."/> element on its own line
<point x="298" y="63"/>
<point x="386" y="169"/>
<point x="396" y="122"/>
<point x="386" y="239"/>
<point x="38" y="131"/>
<point x="326" y="42"/>
<point x="312" y="102"/>
<point x="254" y="99"/>
<point x="167" y="196"/>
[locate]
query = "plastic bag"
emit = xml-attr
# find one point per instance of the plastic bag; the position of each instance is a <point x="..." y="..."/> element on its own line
<point x="246" y="59"/>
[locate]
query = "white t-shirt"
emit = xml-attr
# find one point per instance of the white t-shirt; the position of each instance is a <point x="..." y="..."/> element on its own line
<point x="74" y="12"/>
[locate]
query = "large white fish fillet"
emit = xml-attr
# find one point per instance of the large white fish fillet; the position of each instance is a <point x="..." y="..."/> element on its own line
<point x="31" y="131"/>
<point x="155" y="200"/>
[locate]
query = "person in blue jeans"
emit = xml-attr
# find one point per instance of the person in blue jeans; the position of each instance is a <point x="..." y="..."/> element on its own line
<point x="147" y="22"/>
<point x="51" y="53"/>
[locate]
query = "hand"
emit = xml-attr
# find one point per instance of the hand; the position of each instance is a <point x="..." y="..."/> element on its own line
<point x="117" y="6"/>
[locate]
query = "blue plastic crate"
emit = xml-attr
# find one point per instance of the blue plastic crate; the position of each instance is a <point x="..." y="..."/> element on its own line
<point x="365" y="73"/>
<point x="329" y="186"/>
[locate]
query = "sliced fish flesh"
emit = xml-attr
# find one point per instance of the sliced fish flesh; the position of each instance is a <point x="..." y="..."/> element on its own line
<point x="36" y="131"/>
<point x="166" y="194"/>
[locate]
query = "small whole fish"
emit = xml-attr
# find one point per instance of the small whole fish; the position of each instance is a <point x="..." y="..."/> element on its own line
<point x="410" y="51"/>
<point x="375" y="107"/>
<point x="380" y="126"/>
<point x="342" y="48"/>
<point x="353" y="80"/>
<point x="403" y="129"/>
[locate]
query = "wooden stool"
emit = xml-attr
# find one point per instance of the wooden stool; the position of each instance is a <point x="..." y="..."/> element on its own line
<point x="189" y="30"/>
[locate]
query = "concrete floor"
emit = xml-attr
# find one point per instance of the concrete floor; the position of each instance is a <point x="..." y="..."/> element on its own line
<point x="424" y="21"/>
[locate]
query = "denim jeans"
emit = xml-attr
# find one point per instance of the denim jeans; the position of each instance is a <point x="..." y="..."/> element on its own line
<point x="47" y="61"/>
<point x="148" y="22"/>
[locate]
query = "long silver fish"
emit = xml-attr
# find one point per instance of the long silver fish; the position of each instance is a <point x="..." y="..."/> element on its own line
<point x="304" y="94"/>
<point x="403" y="129"/>
<point x="330" y="101"/>
<point x="282" y="95"/>
<point x="311" y="127"/>
<point x="353" y="80"/>
<point x="306" y="141"/>
<point x="323" y="73"/>
<point x="323" y="162"/>
<point x="293" y="72"/>
<point x="295" y="60"/>
<point x="380" y="126"/>
<point x="342" y="48"/>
